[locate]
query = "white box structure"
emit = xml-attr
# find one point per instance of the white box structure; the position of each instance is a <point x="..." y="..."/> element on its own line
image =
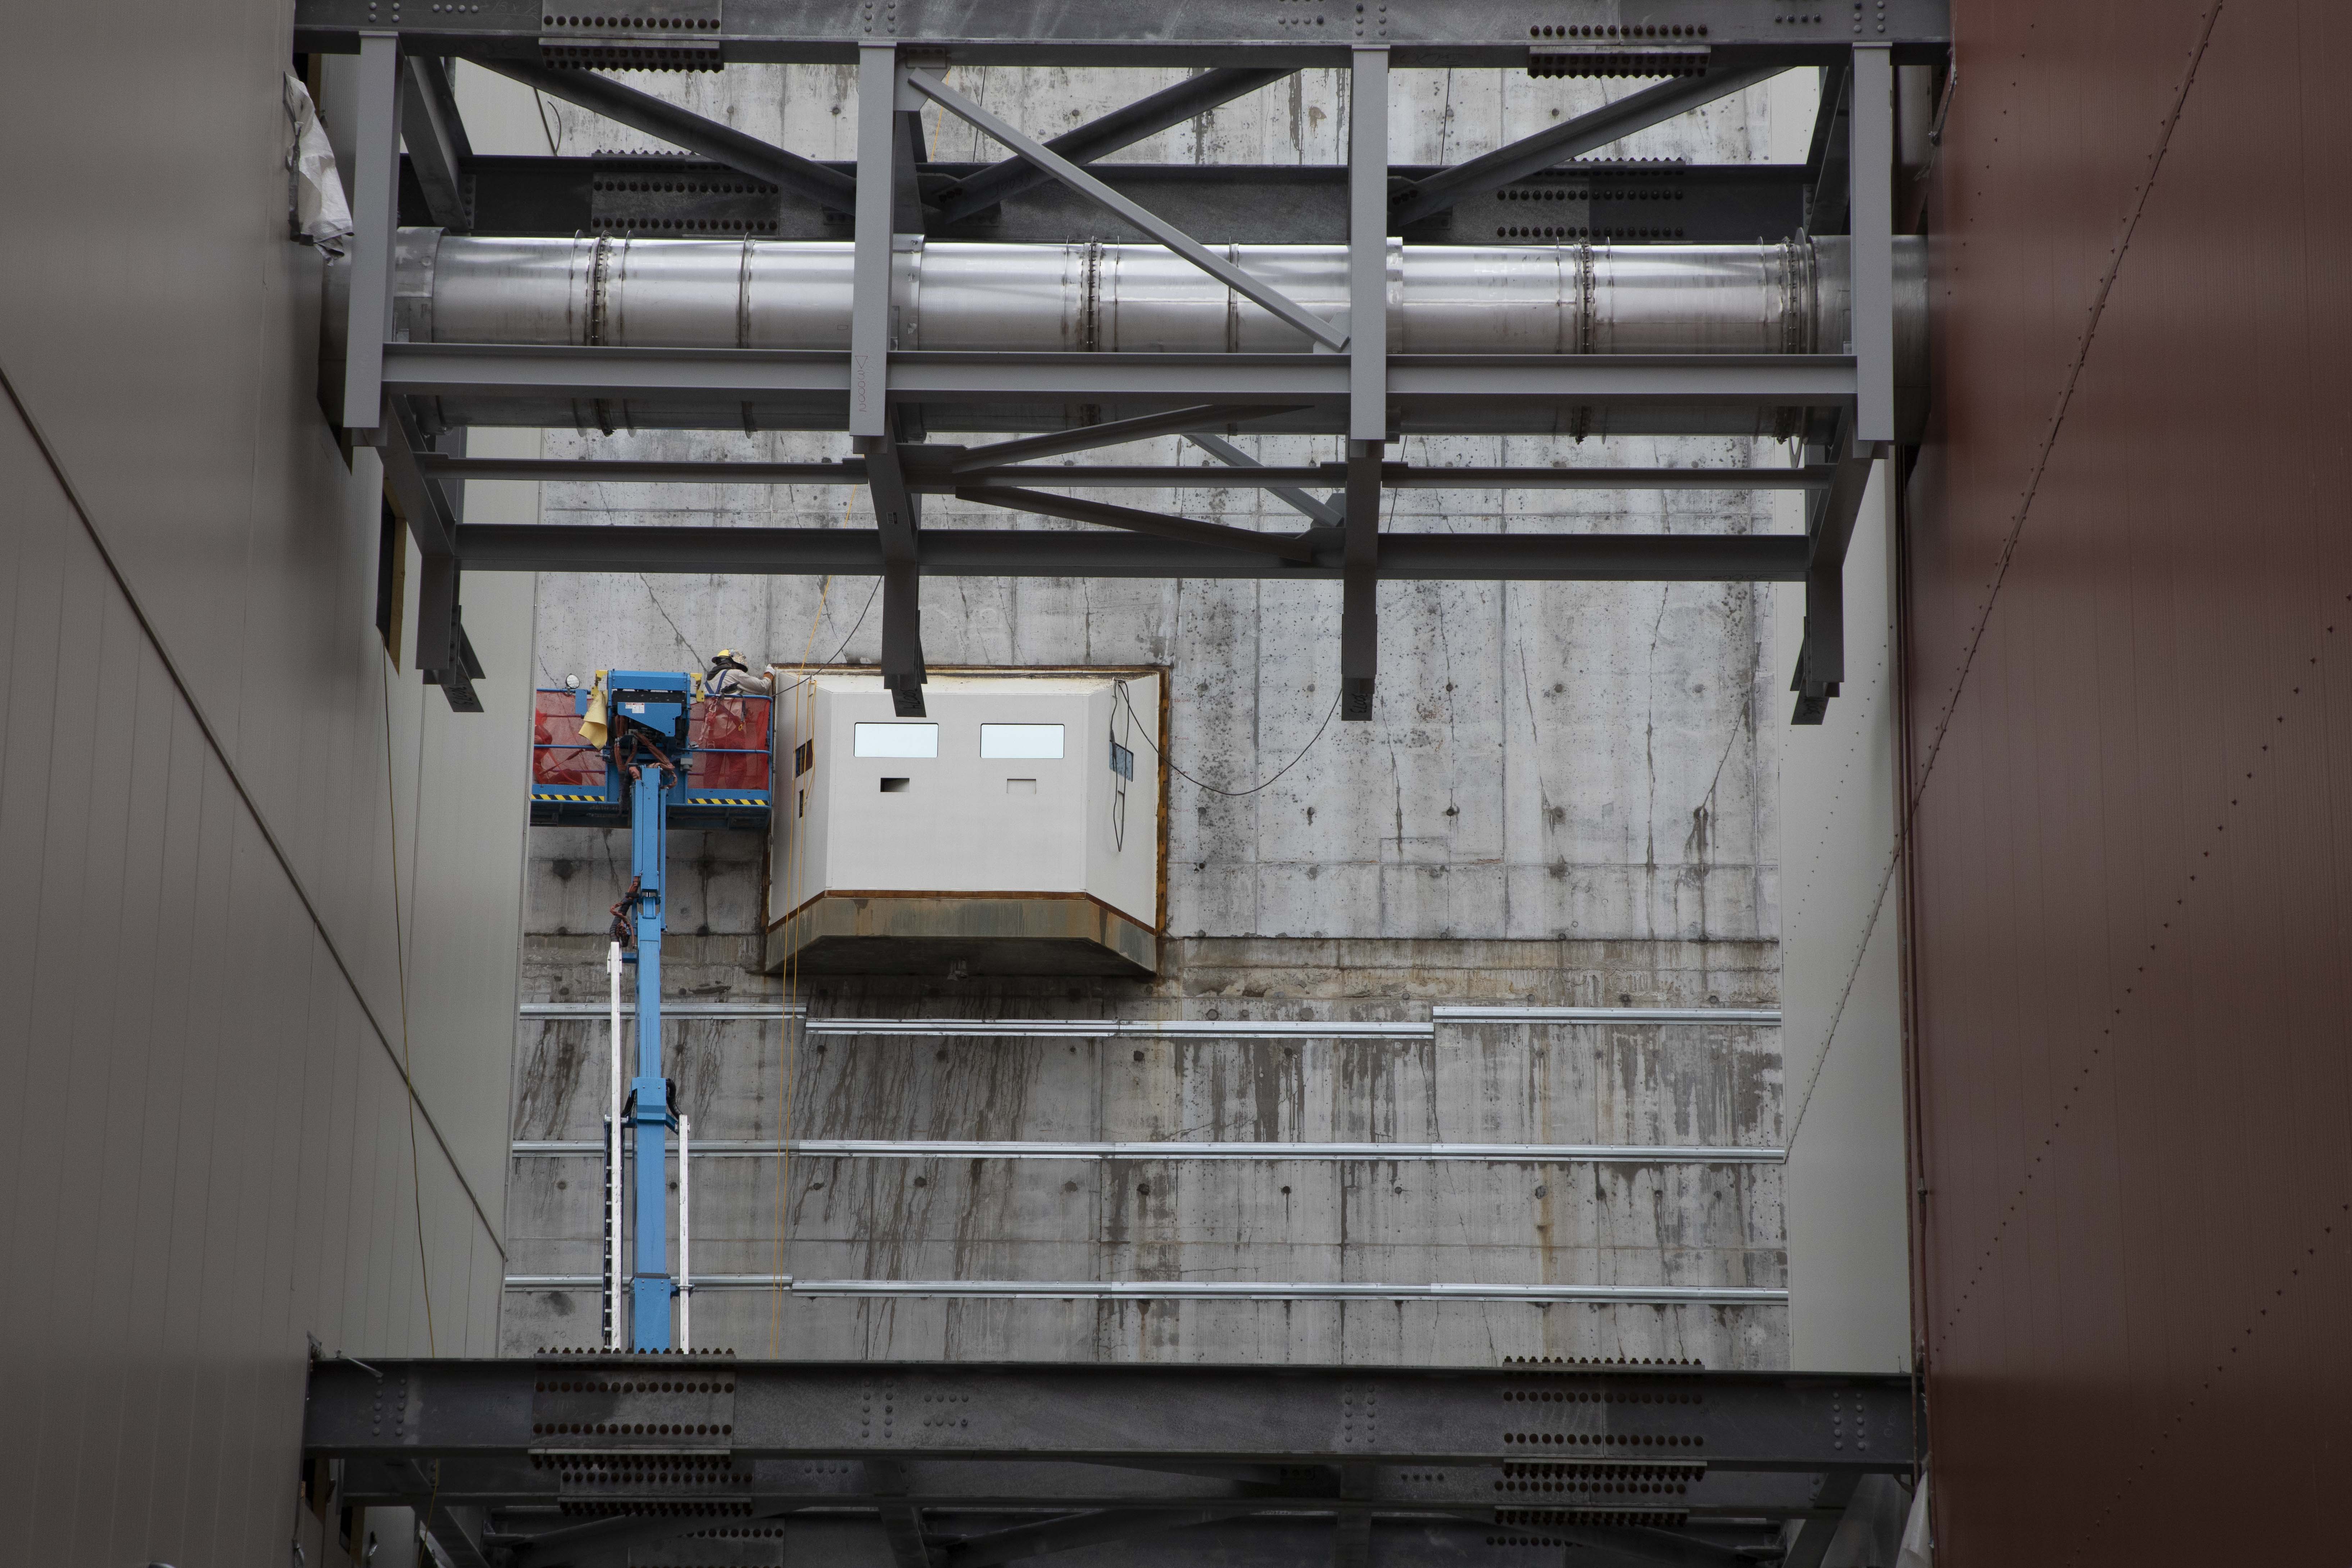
<point x="1014" y="829"/>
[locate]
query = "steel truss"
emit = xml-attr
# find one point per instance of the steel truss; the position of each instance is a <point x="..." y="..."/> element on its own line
<point x="893" y="195"/>
<point x="592" y="1459"/>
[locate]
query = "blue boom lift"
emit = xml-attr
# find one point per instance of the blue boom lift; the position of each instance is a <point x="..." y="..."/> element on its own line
<point x="647" y="749"/>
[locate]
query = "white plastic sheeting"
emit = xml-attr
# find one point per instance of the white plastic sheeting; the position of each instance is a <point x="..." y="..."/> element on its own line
<point x="321" y="215"/>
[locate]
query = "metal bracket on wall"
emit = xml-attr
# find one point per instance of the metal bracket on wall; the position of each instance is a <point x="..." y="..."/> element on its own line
<point x="444" y="656"/>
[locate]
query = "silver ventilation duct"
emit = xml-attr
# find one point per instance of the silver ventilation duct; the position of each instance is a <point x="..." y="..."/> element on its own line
<point x="1600" y="298"/>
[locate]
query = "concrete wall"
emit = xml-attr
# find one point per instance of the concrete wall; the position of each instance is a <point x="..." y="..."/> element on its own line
<point x="1566" y="797"/>
<point x="232" y="830"/>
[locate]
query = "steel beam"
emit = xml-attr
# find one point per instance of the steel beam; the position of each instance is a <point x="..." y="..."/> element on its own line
<point x="1086" y="437"/>
<point x="1069" y="1531"/>
<point x="1245" y="470"/>
<point x="1085" y="1414"/>
<point x="804" y="177"/>
<point x="1814" y="1533"/>
<point x="1359" y="583"/>
<point x="435" y="133"/>
<point x="652" y="376"/>
<point x="902" y="1522"/>
<point x="1121" y="127"/>
<point x="1424" y="32"/>
<point x="1241" y="472"/>
<point x="897" y="517"/>
<point x="1558" y="144"/>
<point x="1295" y="548"/>
<point x="375" y="206"/>
<point x="1241" y="281"/>
<point x="1030" y="552"/>
<point x="661" y="195"/>
<point x="430" y="512"/>
<point x="1648" y="1544"/>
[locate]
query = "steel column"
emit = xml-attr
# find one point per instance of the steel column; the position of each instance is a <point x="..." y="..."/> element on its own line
<point x="872" y="336"/>
<point x="375" y="212"/>
<point x="869" y="321"/>
<point x="897" y="518"/>
<point x="1368" y="376"/>
<point x="1872" y="129"/>
<point x="1870" y="429"/>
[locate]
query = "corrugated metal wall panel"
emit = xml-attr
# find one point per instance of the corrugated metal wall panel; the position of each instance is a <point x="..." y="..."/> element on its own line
<point x="209" y="1157"/>
<point x="2133" y="858"/>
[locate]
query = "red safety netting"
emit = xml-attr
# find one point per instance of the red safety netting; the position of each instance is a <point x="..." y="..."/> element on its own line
<point x="730" y="737"/>
<point x="557" y="754"/>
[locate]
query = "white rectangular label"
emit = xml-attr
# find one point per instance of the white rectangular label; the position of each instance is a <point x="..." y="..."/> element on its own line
<point x="899" y="740"/>
<point x="1019" y="740"/>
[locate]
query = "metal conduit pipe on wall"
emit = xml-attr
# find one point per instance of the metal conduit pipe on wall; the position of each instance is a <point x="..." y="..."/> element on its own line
<point x="1779" y="298"/>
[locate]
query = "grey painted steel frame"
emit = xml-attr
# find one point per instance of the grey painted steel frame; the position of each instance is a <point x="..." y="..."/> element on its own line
<point x="1870" y="428"/>
<point x="376" y="210"/>
<point x="1423" y="33"/>
<point x="1368" y="376"/>
<point x="1864" y="384"/>
<point x="1344" y="1443"/>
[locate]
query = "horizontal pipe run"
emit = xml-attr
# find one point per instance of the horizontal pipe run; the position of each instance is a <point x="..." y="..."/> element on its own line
<point x="1160" y="1028"/>
<point x="1167" y="1150"/>
<point x="1203" y="1291"/>
<point x="1569" y="299"/>
<point x="1131" y="476"/>
<point x="606" y="334"/>
<point x="1059" y="553"/>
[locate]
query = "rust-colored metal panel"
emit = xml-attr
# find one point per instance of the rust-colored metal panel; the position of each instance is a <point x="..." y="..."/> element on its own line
<point x="2129" y="673"/>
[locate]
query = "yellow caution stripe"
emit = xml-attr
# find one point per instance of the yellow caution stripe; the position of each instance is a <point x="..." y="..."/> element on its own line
<point x="726" y="800"/>
<point x="559" y="795"/>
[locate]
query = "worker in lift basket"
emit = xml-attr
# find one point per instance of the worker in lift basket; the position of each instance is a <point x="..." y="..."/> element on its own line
<point x="729" y="678"/>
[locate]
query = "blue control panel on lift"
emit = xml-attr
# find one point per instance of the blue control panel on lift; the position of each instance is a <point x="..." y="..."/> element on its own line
<point x="721" y="743"/>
